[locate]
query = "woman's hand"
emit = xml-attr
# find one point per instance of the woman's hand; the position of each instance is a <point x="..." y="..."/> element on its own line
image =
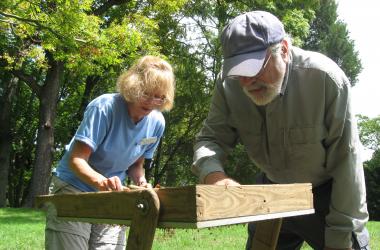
<point x="141" y="182"/>
<point x="79" y="165"/>
<point x="110" y="184"/>
<point x="137" y="173"/>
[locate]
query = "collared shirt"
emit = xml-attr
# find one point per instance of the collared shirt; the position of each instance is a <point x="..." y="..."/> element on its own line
<point x="306" y="134"/>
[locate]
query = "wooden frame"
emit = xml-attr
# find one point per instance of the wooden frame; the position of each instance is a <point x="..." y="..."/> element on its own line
<point x="195" y="206"/>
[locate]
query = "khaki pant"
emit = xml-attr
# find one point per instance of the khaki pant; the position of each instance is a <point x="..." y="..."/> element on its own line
<point x="65" y="235"/>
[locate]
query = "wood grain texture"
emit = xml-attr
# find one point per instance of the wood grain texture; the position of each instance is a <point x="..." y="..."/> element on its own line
<point x="189" y="204"/>
<point x="144" y="221"/>
<point x="178" y="204"/>
<point x="101" y="205"/>
<point x="266" y="234"/>
<point x="236" y="201"/>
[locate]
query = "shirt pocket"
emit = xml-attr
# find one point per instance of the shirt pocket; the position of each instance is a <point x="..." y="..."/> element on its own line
<point x="306" y="147"/>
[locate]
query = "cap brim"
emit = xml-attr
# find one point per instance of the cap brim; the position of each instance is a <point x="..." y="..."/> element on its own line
<point x="248" y="64"/>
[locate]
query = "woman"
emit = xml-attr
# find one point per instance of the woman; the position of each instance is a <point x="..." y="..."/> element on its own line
<point x="117" y="133"/>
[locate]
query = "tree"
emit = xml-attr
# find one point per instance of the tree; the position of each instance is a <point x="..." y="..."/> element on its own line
<point x="370" y="137"/>
<point x="88" y="43"/>
<point x="372" y="175"/>
<point x="8" y="87"/>
<point x="191" y="41"/>
<point x="330" y="36"/>
<point x="8" y="93"/>
<point x="370" y="132"/>
<point x="86" y="37"/>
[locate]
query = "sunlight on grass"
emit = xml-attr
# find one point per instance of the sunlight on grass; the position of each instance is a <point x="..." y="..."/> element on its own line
<point x="21" y="229"/>
<point x="24" y="229"/>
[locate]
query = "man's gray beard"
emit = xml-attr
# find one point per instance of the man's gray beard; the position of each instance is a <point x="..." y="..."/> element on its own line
<point x="270" y="92"/>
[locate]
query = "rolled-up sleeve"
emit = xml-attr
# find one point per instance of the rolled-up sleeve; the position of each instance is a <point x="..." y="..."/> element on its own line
<point x="348" y="208"/>
<point x="216" y="138"/>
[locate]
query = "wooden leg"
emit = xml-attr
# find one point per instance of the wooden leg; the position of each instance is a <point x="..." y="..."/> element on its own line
<point x="266" y="234"/>
<point x="144" y="221"/>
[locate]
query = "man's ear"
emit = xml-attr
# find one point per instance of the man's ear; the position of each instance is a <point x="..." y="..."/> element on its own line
<point x="285" y="50"/>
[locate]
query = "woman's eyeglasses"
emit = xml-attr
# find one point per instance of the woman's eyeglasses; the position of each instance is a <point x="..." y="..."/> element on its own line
<point x="153" y="100"/>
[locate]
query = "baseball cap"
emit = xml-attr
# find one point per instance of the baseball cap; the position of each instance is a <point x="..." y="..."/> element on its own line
<point x="245" y="41"/>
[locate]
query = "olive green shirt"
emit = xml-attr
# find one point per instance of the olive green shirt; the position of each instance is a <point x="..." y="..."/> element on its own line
<point x="306" y="134"/>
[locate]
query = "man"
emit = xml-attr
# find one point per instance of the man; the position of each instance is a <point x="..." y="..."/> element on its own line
<point x="291" y="109"/>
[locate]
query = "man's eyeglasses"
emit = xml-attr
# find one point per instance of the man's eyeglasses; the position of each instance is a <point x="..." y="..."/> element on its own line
<point x="153" y="100"/>
<point x="261" y="71"/>
<point x="264" y="66"/>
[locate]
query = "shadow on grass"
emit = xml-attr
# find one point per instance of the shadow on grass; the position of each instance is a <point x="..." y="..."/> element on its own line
<point x="21" y="216"/>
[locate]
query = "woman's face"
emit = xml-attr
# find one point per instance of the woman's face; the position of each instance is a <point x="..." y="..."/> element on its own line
<point x="143" y="106"/>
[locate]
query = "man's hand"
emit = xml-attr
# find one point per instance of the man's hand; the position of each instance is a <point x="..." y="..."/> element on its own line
<point x="220" y="178"/>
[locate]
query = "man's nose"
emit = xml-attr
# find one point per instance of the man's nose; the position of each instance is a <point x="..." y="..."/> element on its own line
<point x="246" y="81"/>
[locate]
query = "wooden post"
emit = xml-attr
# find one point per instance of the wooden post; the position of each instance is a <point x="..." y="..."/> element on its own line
<point x="266" y="234"/>
<point x="144" y="221"/>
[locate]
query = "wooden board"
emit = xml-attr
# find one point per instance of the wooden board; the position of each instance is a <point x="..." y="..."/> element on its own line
<point x="190" y="206"/>
<point x="210" y="202"/>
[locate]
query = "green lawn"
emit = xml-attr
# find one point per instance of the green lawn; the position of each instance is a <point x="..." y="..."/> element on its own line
<point x="24" y="229"/>
<point x="21" y="229"/>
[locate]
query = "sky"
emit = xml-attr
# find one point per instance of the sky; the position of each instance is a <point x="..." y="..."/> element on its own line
<point x="362" y="19"/>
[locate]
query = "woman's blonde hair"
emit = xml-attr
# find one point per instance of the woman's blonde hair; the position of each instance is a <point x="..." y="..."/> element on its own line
<point x="149" y="75"/>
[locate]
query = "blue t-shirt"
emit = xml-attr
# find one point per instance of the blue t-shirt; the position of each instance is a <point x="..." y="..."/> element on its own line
<point x="115" y="140"/>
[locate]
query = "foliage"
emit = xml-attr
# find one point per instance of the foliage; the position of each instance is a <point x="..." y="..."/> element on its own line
<point x="95" y="40"/>
<point x="372" y="174"/>
<point x="24" y="140"/>
<point x="197" y="56"/>
<point x="370" y="132"/>
<point x="370" y="137"/>
<point x="330" y="36"/>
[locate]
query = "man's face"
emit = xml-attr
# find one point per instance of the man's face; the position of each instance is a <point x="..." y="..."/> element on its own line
<point x="262" y="93"/>
<point x="266" y="85"/>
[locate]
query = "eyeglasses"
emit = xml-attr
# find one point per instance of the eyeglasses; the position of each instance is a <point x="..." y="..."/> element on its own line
<point x="153" y="100"/>
<point x="261" y="71"/>
<point x="264" y="66"/>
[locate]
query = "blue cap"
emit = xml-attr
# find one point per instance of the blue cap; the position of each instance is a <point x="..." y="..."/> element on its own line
<point x="245" y="41"/>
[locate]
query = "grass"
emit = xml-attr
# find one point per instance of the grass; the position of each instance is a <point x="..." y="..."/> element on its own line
<point x="24" y="229"/>
<point x="21" y="229"/>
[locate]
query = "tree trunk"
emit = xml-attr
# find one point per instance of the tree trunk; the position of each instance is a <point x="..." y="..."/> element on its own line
<point x="91" y="82"/>
<point x="48" y="97"/>
<point x="6" y="137"/>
